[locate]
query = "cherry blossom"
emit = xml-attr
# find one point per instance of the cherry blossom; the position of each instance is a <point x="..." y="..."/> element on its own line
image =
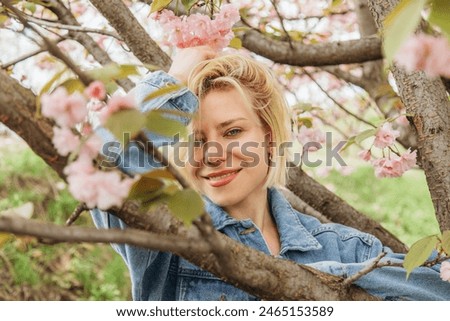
<point x="427" y="53"/>
<point x="365" y="155"/>
<point x="117" y="102"/>
<point x="64" y="140"/>
<point x="96" y="188"/>
<point x="96" y="90"/>
<point x="385" y="136"/>
<point x="67" y="110"/>
<point x="198" y="29"/>
<point x="394" y="166"/>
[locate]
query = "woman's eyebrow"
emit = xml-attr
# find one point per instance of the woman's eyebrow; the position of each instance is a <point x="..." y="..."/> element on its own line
<point x="229" y="122"/>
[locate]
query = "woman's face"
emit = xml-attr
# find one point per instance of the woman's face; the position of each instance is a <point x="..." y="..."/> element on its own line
<point x="231" y="166"/>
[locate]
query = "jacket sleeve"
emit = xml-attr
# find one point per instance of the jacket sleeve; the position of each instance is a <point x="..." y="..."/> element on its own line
<point x="133" y="160"/>
<point x="390" y="283"/>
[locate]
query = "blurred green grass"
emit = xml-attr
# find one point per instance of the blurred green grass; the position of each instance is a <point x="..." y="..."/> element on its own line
<point x="34" y="271"/>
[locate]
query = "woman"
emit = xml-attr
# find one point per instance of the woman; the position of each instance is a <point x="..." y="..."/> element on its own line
<point x="240" y="111"/>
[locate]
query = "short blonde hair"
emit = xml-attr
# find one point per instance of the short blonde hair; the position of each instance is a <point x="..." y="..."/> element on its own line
<point x="261" y="91"/>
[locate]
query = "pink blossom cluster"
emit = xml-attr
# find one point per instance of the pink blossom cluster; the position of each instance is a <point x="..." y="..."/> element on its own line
<point x="198" y="29"/>
<point x="427" y="53"/>
<point x="392" y="165"/>
<point x="87" y="184"/>
<point x="445" y="271"/>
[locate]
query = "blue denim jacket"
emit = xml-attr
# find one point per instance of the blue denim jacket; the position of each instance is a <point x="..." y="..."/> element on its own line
<point x="331" y="248"/>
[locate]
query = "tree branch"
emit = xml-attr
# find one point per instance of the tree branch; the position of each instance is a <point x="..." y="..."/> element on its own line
<point x="132" y="33"/>
<point x="320" y="54"/>
<point x="57" y="25"/>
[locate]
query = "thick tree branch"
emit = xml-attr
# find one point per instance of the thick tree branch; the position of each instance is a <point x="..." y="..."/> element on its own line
<point x="133" y="34"/>
<point x="320" y="54"/>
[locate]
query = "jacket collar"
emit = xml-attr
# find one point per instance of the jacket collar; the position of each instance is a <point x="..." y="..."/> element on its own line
<point x="293" y="234"/>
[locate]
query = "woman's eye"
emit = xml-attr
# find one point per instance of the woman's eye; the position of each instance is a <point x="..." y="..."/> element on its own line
<point x="233" y="132"/>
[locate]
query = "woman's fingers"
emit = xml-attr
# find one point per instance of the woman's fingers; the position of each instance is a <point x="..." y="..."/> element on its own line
<point x="186" y="59"/>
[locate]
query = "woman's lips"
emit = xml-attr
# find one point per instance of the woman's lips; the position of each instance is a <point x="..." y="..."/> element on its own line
<point x="222" y="178"/>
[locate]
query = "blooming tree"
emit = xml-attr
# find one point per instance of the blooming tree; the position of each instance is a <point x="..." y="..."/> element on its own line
<point x="315" y="48"/>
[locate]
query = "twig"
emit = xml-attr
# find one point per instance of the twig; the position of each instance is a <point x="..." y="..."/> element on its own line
<point x="25" y="57"/>
<point x="336" y="102"/>
<point x="76" y="213"/>
<point x="364" y="271"/>
<point x="282" y="23"/>
<point x="57" y="25"/>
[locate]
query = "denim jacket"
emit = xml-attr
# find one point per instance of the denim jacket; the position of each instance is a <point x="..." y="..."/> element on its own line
<point x="331" y="248"/>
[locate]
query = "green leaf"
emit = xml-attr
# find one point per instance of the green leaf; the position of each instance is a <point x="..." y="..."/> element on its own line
<point x="419" y="253"/>
<point x="3" y="19"/>
<point x="446" y="242"/>
<point x="186" y="205"/>
<point x="30" y="6"/>
<point x="163" y="91"/>
<point x="235" y="43"/>
<point x="164" y="126"/>
<point x="439" y="15"/>
<point x="124" y="124"/>
<point x="305" y="121"/>
<point x="364" y="135"/>
<point x="400" y="24"/>
<point x="73" y="85"/>
<point x="158" y="5"/>
<point x="146" y="189"/>
<point x="113" y="72"/>
<point x="188" y="4"/>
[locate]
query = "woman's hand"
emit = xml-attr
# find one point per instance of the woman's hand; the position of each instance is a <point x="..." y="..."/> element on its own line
<point x="186" y="59"/>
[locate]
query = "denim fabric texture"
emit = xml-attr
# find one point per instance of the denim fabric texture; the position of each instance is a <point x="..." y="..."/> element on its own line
<point x="331" y="248"/>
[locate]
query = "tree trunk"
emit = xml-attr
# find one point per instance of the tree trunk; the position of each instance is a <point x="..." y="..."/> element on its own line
<point x="427" y="100"/>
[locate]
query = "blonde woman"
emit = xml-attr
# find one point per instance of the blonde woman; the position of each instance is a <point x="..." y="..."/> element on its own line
<point x="240" y="122"/>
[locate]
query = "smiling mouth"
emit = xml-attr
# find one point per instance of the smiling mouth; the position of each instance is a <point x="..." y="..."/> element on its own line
<point x="218" y="178"/>
<point x="221" y="179"/>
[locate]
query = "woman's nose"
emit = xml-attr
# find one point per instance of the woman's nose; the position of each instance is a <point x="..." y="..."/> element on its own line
<point x="214" y="154"/>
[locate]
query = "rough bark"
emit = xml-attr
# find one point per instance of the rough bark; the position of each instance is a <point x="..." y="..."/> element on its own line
<point x="132" y="33"/>
<point x="427" y="100"/>
<point x="336" y="210"/>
